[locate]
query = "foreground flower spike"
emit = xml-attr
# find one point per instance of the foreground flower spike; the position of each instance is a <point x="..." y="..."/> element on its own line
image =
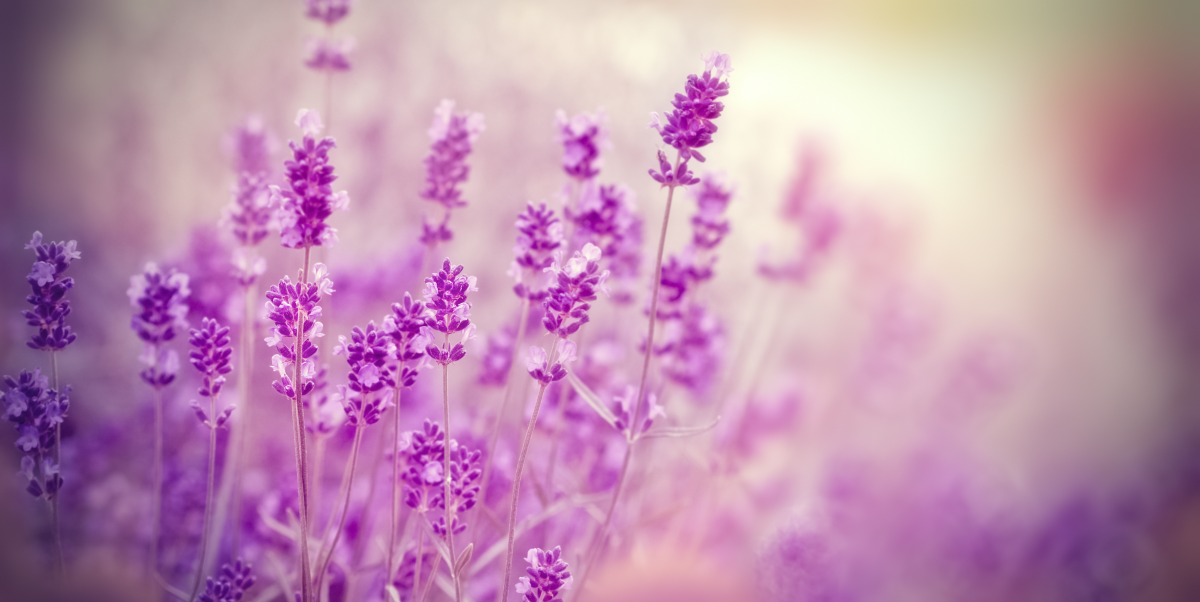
<point x="36" y="410"/>
<point x="286" y="302"/>
<point x="50" y="308"/>
<point x="548" y="575"/>
<point x="367" y="352"/>
<point x="709" y="225"/>
<point x="249" y="211"/>
<point x="452" y="135"/>
<point x="230" y="584"/>
<point x="536" y="363"/>
<point x="689" y="125"/>
<point x="328" y="12"/>
<point x="566" y="303"/>
<point x="211" y="358"/>
<point x="446" y="297"/>
<point x="310" y="200"/>
<point x="539" y="234"/>
<point x="582" y="136"/>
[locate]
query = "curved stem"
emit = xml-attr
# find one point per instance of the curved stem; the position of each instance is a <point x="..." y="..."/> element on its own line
<point x="156" y="503"/>
<point x="390" y="567"/>
<point x="208" y="496"/>
<point x="347" y="485"/>
<point x="446" y="481"/>
<point x="302" y="448"/>
<point x="512" y="510"/>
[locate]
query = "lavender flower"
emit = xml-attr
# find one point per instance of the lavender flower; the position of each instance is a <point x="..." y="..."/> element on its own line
<point x="536" y="363"/>
<point x="672" y="176"/>
<point x="582" y="137"/>
<point x="35" y="409"/>
<point x="329" y="55"/>
<point x="548" y="575"/>
<point x="367" y="353"/>
<point x="446" y="296"/>
<point x="709" y="225"/>
<point x="408" y="344"/>
<point x="249" y="213"/>
<point x="689" y="125"/>
<point x="230" y="585"/>
<point x="497" y="357"/>
<point x="424" y="471"/>
<point x="211" y="358"/>
<point x="446" y="166"/>
<point x="464" y="487"/>
<point x="285" y="303"/>
<point x="160" y="303"/>
<point x="328" y="12"/>
<point x="576" y="285"/>
<point x="692" y="348"/>
<point x="50" y="308"/>
<point x="310" y="201"/>
<point x="624" y="411"/>
<point x="539" y="234"/>
<point x="607" y="217"/>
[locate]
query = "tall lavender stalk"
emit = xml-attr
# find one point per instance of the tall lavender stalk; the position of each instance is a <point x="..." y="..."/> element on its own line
<point x="48" y="316"/>
<point x="303" y="209"/>
<point x="452" y="136"/>
<point x="446" y="297"/>
<point x="689" y="127"/>
<point x="158" y="300"/>
<point x="211" y="358"/>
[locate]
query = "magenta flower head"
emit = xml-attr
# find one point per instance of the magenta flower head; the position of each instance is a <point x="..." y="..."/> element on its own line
<point x="35" y="409"/>
<point x="328" y="12"/>
<point x="211" y="358"/>
<point x="160" y="307"/>
<point x="310" y="200"/>
<point x="50" y="307"/>
<point x="446" y="297"/>
<point x="582" y="136"/>
<point x="536" y="363"/>
<point x="539" y="234"/>
<point x="230" y="584"/>
<point x="548" y="576"/>
<point x="408" y="344"/>
<point x="367" y="352"/>
<point x="286" y="301"/>
<point x="329" y="55"/>
<point x="452" y="136"/>
<point x="709" y="225"/>
<point x="690" y="124"/>
<point x="567" y="302"/>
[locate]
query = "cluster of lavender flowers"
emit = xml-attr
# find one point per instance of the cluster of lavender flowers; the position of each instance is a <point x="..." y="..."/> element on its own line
<point x="446" y="298"/>
<point x="310" y="199"/>
<point x="292" y="308"/>
<point x="211" y="358"/>
<point x="446" y="170"/>
<point x="367" y="352"/>
<point x="567" y="301"/>
<point x="230" y="585"/>
<point x="548" y="576"/>
<point x="160" y="309"/>
<point x="50" y="307"/>
<point x="35" y="410"/>
<point x="424" y="475"/>
<point x="539" y="234"/>
<point x="325" y="54"/>
<point x="249" y="213"/>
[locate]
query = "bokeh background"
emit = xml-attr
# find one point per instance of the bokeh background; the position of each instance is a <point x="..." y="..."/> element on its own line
<point x="994" y="378"/>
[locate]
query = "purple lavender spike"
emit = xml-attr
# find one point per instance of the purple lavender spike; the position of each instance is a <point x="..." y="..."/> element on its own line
<point x="50" y="308"/>
<point x="310" y="200"/>
<point x="582" y="136"/>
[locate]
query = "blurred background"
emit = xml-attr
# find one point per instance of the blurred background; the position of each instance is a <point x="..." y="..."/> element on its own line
<point x="993" y="381"/>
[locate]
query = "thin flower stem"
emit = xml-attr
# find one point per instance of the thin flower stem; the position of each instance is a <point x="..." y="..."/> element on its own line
<point x="58" y="552"/>
<point x="208" y="496"/>
<point x="390" y="568"/>
<point x="508" y="387"/>
<point x="602" y="535"/>
<point x="347" y="485"/>
<point x="512" y="510"/>
<point x="446" y="481"/>
<point x="437" y="564"/>
<point x="156" y="503"/>
<point x="302" y="448"/>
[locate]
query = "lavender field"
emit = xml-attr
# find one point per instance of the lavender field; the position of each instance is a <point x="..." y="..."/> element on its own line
<point x="325" y="300"/>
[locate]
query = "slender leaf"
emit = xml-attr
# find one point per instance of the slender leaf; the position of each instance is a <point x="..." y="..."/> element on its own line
<point x="592" y="399"/>
<point x="680" y="431"/>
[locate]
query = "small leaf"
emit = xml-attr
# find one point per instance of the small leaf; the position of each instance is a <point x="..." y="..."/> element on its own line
<point x="393" y="594"/>
<point x="680" y="431"/>
<point x="592" y="399"/>
<point x="464" y="558"/>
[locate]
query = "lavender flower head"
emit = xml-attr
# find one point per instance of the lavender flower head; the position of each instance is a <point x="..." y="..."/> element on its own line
<point x="607" y="217"/>
<point x="576" y="284"/>
<point x="408" y="344"/>
<point x="537" y="366"/>
<point x="35" y="409"/>
<point x="328" y="12"/>
<point x="424" y="471"/>
<point x="50" y="308"/>
<point x="540" y="233"/>
<point x="329" y="55"/>
<point x="367" y="352"/>
<point x="286" y="303"/>
<point x="211" y="357"/>
<point x="548" y="575"/>
<point x="230" y="585"/>
<point x="310" y="200"/>
<point x="452" y="136"/>
<point x="689" y="125"/>
<point x="160" y="307"/>
<point x="497" y="357"/>
<point x="446" y="297"/>
<point x="623" y="409"/>
<point x="582" y="137"/>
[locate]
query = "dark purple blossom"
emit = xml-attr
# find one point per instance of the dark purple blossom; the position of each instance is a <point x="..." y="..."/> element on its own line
<point x="672" y="176"/>
<point x="249" y="213"/>
<point x="538" y="365"/>
<point x="548" y="576"/>
<point x="689" y="125"/>
<point x="452" y="135"/>
<point x="607" y="217"/>
<point x="328" y="12"/>
<point x="211" y="357"/>
<point x="50" y="307"/>
<point x="310" y="200"/>
<point x="35" y="410"/>
<point x="367" y="352"/>
<point x="230" y="585"/>
<point x="540" y="233"/>
<point x="251" y="146"/>
<point x="286" y="303"/>
<point x="582" y="137"/>
<point x="329" y="55"/>
<point x="446" y="297"/>
<point x="576" y="284"/>
<point x="408" y="345"/>
<point x="160" y="307"/>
